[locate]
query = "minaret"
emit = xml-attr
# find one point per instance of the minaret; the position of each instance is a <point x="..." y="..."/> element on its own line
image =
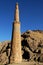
<point x="16" y="55"/>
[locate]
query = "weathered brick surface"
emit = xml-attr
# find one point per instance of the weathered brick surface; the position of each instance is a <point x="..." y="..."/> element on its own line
<point x="16" y="56"/>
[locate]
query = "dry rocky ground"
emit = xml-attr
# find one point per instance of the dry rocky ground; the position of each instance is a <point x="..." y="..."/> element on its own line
<point x="32" y="47"/>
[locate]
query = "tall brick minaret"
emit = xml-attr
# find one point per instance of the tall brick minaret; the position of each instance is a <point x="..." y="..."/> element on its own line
<point x="16" y="56"/>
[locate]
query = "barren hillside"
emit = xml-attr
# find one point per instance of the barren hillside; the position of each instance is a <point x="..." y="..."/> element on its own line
<point x="32" y="47"/>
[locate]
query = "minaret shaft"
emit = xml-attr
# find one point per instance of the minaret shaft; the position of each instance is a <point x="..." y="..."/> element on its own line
<point x="17" y="13"/>
<point x="16" y="55"/>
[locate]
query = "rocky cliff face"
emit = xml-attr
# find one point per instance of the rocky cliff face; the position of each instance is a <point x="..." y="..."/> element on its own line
<point x="32" y="47"/>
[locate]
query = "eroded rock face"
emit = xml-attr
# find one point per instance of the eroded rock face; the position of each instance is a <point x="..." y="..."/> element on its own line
<point x="32" y="47"/>
<point x="3" y="58"/>
<point x="5" y="52"/>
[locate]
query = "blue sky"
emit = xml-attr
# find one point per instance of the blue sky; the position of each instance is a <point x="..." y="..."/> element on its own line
<point x="31" y="16"/>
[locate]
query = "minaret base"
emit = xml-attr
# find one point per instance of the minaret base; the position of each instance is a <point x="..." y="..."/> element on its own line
<point x="12" y="60"/>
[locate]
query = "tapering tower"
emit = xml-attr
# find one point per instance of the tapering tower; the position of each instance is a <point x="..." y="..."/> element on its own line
<point x="16" y="55"/>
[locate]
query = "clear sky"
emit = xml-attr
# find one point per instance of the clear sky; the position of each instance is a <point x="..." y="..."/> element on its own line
<point x="31" y="16"/>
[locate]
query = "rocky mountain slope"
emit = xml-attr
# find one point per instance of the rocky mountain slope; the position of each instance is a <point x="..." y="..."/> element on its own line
<point x="32" y="47"/>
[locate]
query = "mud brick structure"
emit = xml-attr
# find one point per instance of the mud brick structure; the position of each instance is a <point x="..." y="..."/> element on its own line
<point x="16" y="55"/>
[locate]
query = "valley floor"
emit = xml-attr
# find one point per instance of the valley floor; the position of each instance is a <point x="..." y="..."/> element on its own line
<point x="26" y="63"/>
